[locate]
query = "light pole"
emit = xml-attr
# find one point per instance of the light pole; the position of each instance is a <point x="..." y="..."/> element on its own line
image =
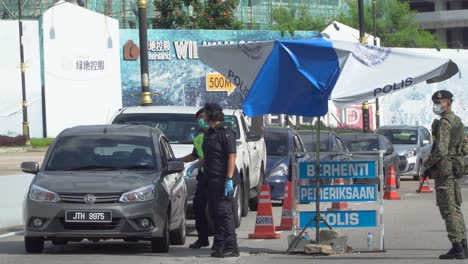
<point x="374" y="31"/>
<point x="362" y="39"/>
<point x="23" y="79"/>
<point x="145" y="98"/>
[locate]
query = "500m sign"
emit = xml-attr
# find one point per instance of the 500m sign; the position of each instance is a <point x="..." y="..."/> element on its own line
<point x="216" y="82"/>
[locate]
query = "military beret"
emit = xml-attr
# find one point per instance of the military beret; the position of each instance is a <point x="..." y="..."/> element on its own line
<point x="442" y="94"/>
<point x="213" y="107"/>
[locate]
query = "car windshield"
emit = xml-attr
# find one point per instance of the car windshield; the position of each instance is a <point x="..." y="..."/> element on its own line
<point x="400" y="136"/>
<point x="277" y="143"/>
<point x="361" y="144"/>
<point x="178" y="128"/>
<point x="309" y="140"/>
<point x="99" y="152"/>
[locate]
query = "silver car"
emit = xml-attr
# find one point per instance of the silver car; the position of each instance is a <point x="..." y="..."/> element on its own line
<point x="106" y="182"/>
<point x="412" y="142"/>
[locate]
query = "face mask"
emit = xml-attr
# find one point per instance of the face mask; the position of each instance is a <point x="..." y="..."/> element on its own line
<point x="202" y="123"/>
<point x="437" y="109"/>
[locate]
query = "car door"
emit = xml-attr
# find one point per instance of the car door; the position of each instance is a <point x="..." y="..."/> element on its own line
<point x="254" y="150"/>
<point x="173" y="181"/>
<point x="425" y="143"/>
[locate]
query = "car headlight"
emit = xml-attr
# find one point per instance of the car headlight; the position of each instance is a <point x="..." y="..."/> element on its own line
<point x="280" y="170"/>
<point x="410" y="153"/>
<point x="142" y="194"/>
<point x="39" y="194"/>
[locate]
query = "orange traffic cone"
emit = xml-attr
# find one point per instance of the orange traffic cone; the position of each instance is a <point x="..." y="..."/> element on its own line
<point x="286" y="214"/>
<point x="390" y="185"/>
<point x="339" y="205"/>
<point x="264" y="227"/>
<point x="424" y="185"/>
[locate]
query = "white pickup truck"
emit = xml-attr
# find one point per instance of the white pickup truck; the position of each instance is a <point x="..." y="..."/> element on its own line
<point x="179" y="125"/>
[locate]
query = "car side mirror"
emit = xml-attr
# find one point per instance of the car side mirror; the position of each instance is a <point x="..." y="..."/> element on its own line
<point x="30" y="167"/>
<point x="389" y="151"/>
<point x="174" y="166"/>
<point x="300" y="156"/>
<point x="253" y="136"/>
<point x="425" y="142"/>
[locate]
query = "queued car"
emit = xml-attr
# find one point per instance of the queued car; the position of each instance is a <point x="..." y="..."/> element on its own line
<point x="411" y="142"/>
<point x="106" y="182"/>
<point x="179" y="125"/>
<point x="329" y="142"/>
<point x="280" y="143"/>
<point x="371" y="142"/>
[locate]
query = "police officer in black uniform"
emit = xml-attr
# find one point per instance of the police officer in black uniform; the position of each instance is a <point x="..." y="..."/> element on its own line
<point x="219" y="148"/>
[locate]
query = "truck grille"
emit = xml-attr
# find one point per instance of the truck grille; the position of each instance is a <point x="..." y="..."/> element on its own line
<point x="100" y="198"/>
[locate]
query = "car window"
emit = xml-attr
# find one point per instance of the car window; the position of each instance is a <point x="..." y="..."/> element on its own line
<point x="400" y="136"/>
<point x="178" y="128"/>
<point x="298" y="144"/>
<point x="98" y="152"/>
<point x="386" y="142"/>
<point x="231" y="121"/>
<point x="277" y="143"/>
<point x="166" y="151"/>
<point x="309" y="140"/>
<point x="361" y="144"/>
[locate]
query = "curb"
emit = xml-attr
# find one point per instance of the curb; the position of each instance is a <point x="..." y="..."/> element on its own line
<point x="22" y="149"/>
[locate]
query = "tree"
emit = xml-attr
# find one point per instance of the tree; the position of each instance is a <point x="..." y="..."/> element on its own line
<point x="395" y="23"/>
<point x="291" y="19"/>
<point x="204" y="14"/>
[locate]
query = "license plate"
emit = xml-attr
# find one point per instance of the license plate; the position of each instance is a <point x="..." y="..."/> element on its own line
<point x="88" y="216"/>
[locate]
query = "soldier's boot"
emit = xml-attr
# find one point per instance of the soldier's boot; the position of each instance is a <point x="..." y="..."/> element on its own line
<point x="456" y="252"/>
<point x="465" y="247"/>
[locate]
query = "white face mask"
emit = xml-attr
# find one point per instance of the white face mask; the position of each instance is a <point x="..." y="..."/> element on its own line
<point x="437" y="109"/>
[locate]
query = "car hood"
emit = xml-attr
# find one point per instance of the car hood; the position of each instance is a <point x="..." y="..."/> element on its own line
<point x="94" y="182"/>
<point x="181" y="150"/>
<point x="274" y="161"/>
<point x="401" y="149"/>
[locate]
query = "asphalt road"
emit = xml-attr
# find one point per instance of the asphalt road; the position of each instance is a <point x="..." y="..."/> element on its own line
<point x="414" y="233"/>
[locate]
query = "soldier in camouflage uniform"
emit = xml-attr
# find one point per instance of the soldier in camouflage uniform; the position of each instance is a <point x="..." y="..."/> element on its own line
<point x="447" y="133"/>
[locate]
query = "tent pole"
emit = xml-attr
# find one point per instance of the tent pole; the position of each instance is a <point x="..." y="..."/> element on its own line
<point x="317" y="184"/>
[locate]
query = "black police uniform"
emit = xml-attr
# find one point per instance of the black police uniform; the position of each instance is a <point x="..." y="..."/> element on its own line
<point x="217" y="144"/>
<point x="200" y="202"/>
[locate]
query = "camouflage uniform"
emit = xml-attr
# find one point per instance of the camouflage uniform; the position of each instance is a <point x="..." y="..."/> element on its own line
<point x="448" y="194"/>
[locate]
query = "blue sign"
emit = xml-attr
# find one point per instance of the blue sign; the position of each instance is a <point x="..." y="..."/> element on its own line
<point x="339" y="169"/>
<point x="341" y="219"/>
<point x="339" y="193"/>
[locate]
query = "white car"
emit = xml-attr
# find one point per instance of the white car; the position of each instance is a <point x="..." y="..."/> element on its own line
<point x="179" y="125"/>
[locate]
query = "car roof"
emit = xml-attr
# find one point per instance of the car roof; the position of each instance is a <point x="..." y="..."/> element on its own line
<point x="358" y="135"/>
<point x="398" y="127"/>
<point x="278" y="129"/>
<point x="130" y="130"/>
<point x="167" y="109"/>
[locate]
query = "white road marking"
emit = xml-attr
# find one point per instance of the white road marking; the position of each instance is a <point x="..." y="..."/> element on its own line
<point x="11" y="234"/>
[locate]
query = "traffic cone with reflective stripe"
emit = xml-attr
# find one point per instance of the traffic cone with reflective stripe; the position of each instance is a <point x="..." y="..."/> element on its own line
<point x="264" y="227"/>
<point x="286" y="214"/>
<point x="339" y="205"/>
<point x="424" y="185"/>
<point x="390" y="185"/>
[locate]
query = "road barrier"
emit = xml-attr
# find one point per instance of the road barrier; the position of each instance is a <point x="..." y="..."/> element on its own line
<point x="264" y="227"/>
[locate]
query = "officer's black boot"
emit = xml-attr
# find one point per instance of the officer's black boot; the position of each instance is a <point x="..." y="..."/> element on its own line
<point x="465" y="247"/>
<point x="456" y="252"/>
<point x="198" y="244"/>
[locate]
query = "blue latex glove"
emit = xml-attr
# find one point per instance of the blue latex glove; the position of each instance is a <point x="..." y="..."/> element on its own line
<point x="189" y="170"/>
<point x="228" y="187"/>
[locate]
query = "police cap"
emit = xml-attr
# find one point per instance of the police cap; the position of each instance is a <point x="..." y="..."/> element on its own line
<point x="213" y="107"/>
<point x="442" y="94"/>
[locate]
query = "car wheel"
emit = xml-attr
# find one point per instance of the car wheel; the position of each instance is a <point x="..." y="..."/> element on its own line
<point x="245" y="197"/>
<point x="34" y="244"/>
<point x="161" y="244"/>
<point x="59" y="242"/>
<point x="178" y="236"/>
<point x="237" y="206"/>
<point x="253" y="203"/>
